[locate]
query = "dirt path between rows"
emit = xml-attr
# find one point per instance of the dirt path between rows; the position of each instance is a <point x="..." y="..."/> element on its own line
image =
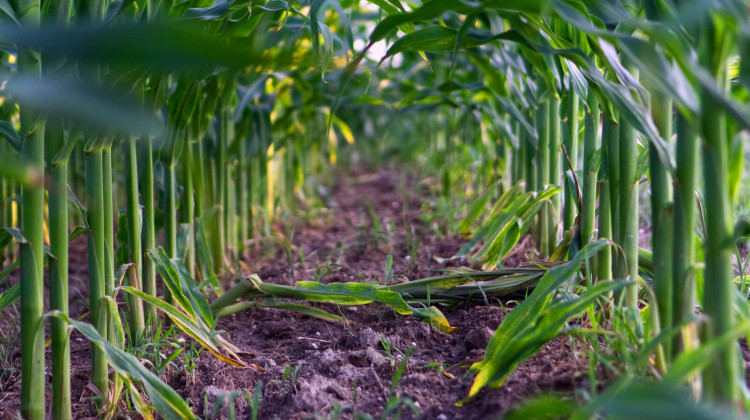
<point x="342" y="370"/>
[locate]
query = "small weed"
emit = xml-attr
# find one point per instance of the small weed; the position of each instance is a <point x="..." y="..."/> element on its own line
<point x="412" y="243"/>
<point x="324" y="270"/>
<point x="153" y="351"/>
<point x="400" y="370"/>
<point x="290" y="374"/>
<point x="395" y="407"/>
<point x="389" y="229"/>
<point x="255" y="401"/>
<point x="388" y="270"/>
<point x="190" y="362"/>
<point x="440" y="368"/>
<point x="388" y="351"/>
<point x="288" y="251"/>
<point x="10" y="339"/>
<point x="376" y="229"/>
<point x="226" y="397"/>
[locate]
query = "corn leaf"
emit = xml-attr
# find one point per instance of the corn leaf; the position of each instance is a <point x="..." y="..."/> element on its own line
<point x="535" y="321"/>
<point x="192" y="328"/>
<point x="273" y="303"/>
<point x="166" y="401"/>
<point x="355" y="294"/>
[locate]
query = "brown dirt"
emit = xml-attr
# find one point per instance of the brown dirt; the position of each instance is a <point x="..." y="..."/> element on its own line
<point x="342" y="367"/>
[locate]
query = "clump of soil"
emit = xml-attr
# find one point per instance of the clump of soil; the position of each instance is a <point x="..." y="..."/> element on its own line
<point x="346" y="368"/>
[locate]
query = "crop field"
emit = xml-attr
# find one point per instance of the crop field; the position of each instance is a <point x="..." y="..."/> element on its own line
<point x="383" y="209"/>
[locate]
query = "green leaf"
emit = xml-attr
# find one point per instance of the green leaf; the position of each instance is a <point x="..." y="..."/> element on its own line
<point x="214" y="344"/>
<point x="666" y="78"/>
<point x="535" y="321"/>
<point x="212" y="13"/>
<point x="184" y="289"/>
<point x="7" y="8"/>
<point x="275" y="6"/>
<point x="354" y="294"/>
<point x="429" y="39"/>
<point x="177" y="46"/>
<point x="11" y="295"/>
<point x="11" y="135"/>
<point x="273" y="303"/>
<point x="92" y="108"/>
<point x="543" y="407"/>
<point x="692" y="362"/>
<point x="166" y="401"/>
<point x="653" y="402"/>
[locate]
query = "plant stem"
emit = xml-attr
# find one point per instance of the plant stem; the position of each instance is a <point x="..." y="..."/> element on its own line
<point x="95" y="215"/>
<point x="720" y="378"/>
<point x="135" y="305"/>
<point x="543" y="174"/>
<point x="626" y="225"/>
<point x="590" y="137"/>
<point x="662" y="217"/>
<point x="570" y="200"/>
<point x="149" y="230"/>
<point x="553" y="209"/>
<point x="58" y="274"/>
<point x="683" y="252"/>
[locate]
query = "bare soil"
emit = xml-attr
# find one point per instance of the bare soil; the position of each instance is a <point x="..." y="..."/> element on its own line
<point x="343" y="368"/>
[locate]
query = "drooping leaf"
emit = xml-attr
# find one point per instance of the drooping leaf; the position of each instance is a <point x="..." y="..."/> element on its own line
<point x="354" y="294"/>
<point x="95" y="109"/>
<point x="535" y="321"/>
<point x="192" y="328"/>
<point x="166" y="401"/>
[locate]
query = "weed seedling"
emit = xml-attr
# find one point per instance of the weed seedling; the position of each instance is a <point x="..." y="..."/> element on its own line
<point x="254" y="401"/>
<point x="229" y="397"/>
<point x="388" y="349"/>
<point x="400" y="370"/>
<point x="412" y="243"/>
<point x="292" y="375"/>
<point x="325" y="270"/>
<point x="388" y="270"/>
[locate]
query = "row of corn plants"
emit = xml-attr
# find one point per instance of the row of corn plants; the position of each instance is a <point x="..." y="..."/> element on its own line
<point x="549" y="117"/>
<point x="214" y="139"/>
<point x="624" y="97"/>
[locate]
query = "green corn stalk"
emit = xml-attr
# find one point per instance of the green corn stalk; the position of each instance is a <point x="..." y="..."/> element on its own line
<point x="57" y="184"/>
<point x="222" y="168"/>
<point x="683" y="246"/>
<point x="552" y="209"/>
<point x="243" y="196"/>
<point x="32" y="220"/>
<point x="4" y="210"/>
<point x="626" y="224"/>
<point x="149" y="229"/>
<point x="188" y="204"/>
<point x="590" y="138"/>
<point x="517" y="159"/>
<point x="135" y="305"/>
<point x="99" y="209"/>
<point x="543" y="175"/>
<point x="530" y="172"/>
<point x="170" y="213"/>
<point x="720" y="377"/>
<point x="570" y="200"/>
<point x="611" y="135"/>
<point x="96" y="255"/>
<point x="109" y="233"/>
<point x="609" y="142"/>
<point x="662" y="217"/>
